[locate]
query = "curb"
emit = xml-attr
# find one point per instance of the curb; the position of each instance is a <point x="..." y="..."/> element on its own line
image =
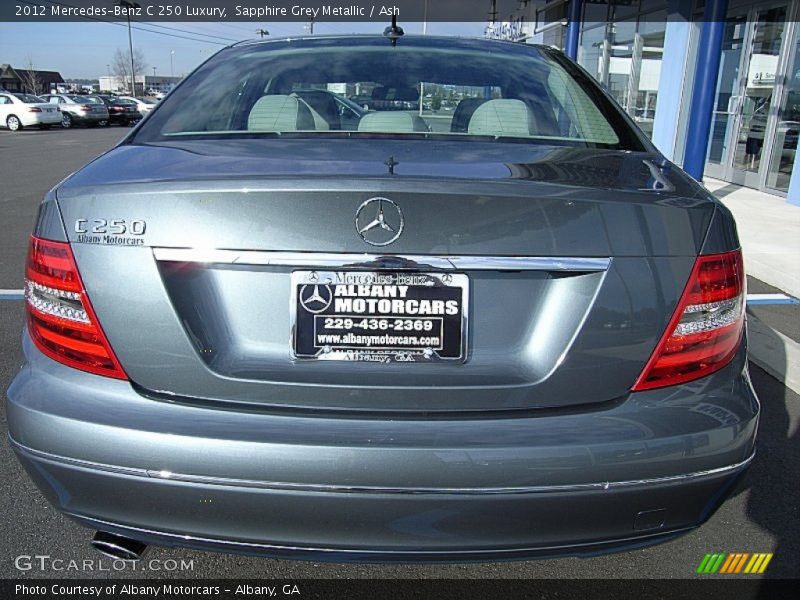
<point x="774" y="352"/>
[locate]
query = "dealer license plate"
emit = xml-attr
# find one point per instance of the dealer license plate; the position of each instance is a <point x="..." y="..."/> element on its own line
<point x="379" y="316"/>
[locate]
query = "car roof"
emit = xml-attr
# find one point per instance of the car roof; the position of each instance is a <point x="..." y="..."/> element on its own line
<point x="419" y="41"/>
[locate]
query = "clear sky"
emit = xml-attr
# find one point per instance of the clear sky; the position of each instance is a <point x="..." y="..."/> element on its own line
<point x="83" y="50"/>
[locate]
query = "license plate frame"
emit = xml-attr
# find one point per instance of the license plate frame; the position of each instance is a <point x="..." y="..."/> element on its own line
<point x="365" y="331"/>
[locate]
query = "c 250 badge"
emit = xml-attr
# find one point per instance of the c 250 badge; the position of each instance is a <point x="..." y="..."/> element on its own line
<point x="114" y="232"/>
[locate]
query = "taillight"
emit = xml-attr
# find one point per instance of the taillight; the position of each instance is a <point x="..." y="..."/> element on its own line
<point x="61" y="321"/>
<point x="86" y="107"/>
<point x="706" y="329"/>
<point x="34" y="109"/>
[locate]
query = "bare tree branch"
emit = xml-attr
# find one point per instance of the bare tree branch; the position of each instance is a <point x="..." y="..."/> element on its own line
<point x="31" y="82"/>
<point x="121" y="66"/>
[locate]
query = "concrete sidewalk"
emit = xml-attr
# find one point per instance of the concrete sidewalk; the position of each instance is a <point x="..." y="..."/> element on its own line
<point x="769" y="230"/>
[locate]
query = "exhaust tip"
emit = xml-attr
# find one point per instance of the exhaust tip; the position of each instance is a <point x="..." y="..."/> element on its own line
<point x="118" y="547"/>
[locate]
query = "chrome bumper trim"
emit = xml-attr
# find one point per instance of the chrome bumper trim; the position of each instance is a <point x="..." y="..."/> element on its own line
<point x="381" y="261"/>
<point x="340" y="489"/>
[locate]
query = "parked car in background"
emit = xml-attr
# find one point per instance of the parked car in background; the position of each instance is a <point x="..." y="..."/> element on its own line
<point x="391" y="97"/>
<point x="78" y="110"/>
<point x="26" y="110"/>
<point x="122" y="112"/>
<point x="522" y="334"/>
<point x="143" y="105"/>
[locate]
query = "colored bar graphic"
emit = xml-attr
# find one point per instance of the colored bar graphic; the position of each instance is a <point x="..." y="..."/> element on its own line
<point x="741" y="562"/>
<point x="732" y="559"/>
<point x="764" y="564"/>
<point x="717" y="564"/>
<point x="733" y="563"/>
<point x="703" y="563"/>
<point x="755" y="564"/>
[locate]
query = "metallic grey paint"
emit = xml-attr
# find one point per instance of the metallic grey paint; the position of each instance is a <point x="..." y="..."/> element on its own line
<point x="437" y="487"/>
<point x="576" y="259"/>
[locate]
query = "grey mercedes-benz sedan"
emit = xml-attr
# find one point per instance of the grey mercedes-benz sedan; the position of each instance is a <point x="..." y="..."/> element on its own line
<point x="509" y="328"/>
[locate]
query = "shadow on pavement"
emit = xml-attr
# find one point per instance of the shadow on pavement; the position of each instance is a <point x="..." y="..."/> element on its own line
<point x="771" y="485"/>
<point x="725" y="190"/>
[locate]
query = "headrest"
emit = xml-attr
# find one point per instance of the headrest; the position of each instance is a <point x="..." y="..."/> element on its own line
<point x="392" y="122"/>
<point x="280" y="113"/>
<point x="503" y="117"/>
<point x="463" y="113"/>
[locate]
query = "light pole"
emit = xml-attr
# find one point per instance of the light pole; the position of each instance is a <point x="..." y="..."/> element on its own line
<point x="129" y="5"/>
<point x="171" y="65"/>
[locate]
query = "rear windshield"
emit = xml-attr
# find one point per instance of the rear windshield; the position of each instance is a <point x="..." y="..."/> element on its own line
<point x="80" y="99"/>
<point x="380" y="90"/>
<point x="30" y="99"/>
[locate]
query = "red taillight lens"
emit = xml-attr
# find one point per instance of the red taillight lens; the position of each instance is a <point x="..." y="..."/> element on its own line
<point x="61" y="321"/>
<point x="706" y="329"/>
<point x="34" y="109"/>
<point x="86" y="108"/>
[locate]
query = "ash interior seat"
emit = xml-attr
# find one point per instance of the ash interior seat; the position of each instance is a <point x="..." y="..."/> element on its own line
<point x="503" y="117"/>
<point x="279" y="112"/>
<point x="463" y="113"/>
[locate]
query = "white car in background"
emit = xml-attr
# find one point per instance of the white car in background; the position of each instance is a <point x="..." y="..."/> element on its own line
<point x="26" y="110"/>
<point x="143" y="105"/>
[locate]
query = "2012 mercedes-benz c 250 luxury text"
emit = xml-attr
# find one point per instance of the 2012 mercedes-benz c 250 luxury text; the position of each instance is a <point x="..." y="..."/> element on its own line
<point x="384" y="298"/>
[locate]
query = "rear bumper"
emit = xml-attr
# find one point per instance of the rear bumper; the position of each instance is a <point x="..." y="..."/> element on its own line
<point x="364" y="525"/>
<point x="124" y="117"/>
<point x="647" y="468"/>
<point x="43" y="118"/>
<point x="92" y="117"/>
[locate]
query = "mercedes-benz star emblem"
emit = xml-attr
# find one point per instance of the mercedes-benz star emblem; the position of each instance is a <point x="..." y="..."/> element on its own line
<point x="379" y="221"/>
<point x="315" y="298"/>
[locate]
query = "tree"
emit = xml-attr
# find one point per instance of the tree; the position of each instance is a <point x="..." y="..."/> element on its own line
<point x="31" y="82"/>
<point x="121" y="66"/>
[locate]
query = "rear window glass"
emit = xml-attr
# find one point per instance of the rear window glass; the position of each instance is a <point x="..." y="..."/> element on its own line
<point x="379" y="90"/>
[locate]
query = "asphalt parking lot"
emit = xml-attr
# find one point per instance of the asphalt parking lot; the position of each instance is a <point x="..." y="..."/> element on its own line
<point x="763" y="514"/>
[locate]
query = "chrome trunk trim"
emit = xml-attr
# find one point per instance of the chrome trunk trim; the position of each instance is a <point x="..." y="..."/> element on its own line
<point x="381" y="261"/>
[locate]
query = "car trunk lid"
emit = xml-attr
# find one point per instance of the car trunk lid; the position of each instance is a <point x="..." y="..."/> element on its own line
<point x="572" y="270"/>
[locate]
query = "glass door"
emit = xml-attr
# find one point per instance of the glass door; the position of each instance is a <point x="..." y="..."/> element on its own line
<point x="744" y="115"/>
<point x="758" y="87"/>
<point x="726" y="105"/>
<point x="787" y="119"/>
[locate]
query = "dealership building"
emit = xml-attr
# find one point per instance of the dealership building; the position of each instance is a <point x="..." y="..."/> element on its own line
<point x="148" y="83"/>
<point x="684" y="67"/>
